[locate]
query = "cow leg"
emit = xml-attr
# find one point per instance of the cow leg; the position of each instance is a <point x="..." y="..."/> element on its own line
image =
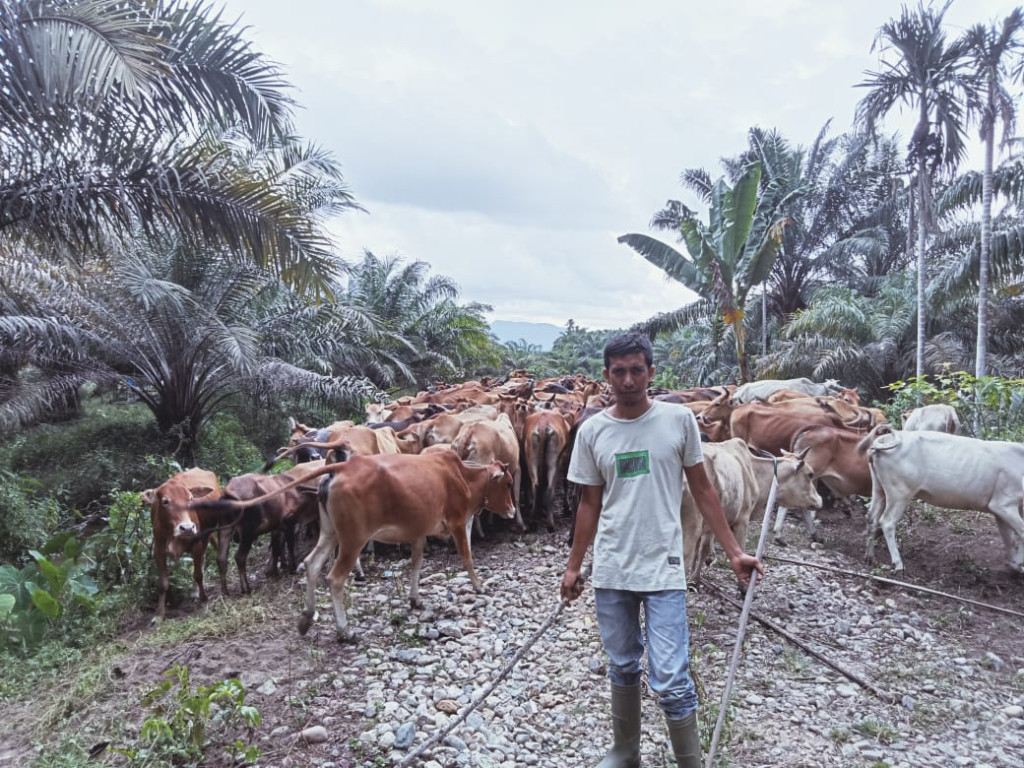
<point x="415" y="564"/>
<point x="517" y="484"/>
<point x="242" y="558"/>
<point x="277" y="547"/>
<point x="160" y="555"/>
<point x="462" y="545"/>
<point x="549" y="488"/>
<point x="1011" y="528"/>
<point x="312" y="565"/>
<point x="780" y="522"/>
<point x="894" y="509"/>
<point x="336" y="579"/>
<point x="874" y="515"/>
<point x="223" y="542"/>
<point x="198" y="558"/>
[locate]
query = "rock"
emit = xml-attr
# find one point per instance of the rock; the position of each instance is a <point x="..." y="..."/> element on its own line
<point x="317" y="734"/>
<point x="405" y="736"/>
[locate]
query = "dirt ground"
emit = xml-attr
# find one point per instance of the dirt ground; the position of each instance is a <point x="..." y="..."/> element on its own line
<point x="953" y="552"/>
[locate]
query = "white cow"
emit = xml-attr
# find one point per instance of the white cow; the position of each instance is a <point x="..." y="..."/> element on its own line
<point x="743" y="482"/>
<point x="948" y="471"/>
<point x="938" y="417"/>
<point x="761" y="390"/>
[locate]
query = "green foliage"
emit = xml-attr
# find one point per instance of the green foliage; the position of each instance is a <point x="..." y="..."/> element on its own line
<point x="989" y="407"/>
<point x="83" y="461"/>
<point x="24" y="516"/>
<point x="183" y="724"/>
<point x="226" y="449"/>
<point x="37" y="594"/>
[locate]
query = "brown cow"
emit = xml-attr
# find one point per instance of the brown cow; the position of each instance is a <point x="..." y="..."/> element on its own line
<point x="279" y="516"/>
<point x="486" y="441"/>
<point x="178" y="529"/>
<point x="396" y="499"/>
<point x="545" y="437"/>
<point x="832" y="455"/>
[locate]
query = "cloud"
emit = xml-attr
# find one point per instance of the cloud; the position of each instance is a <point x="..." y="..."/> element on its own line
<point x="509" y="145"/>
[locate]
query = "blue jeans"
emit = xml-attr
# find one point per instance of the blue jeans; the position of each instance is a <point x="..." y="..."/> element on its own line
<point x="668" y="644"/>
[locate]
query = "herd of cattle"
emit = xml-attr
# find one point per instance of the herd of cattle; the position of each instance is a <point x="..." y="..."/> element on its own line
<point x="428" y="465"/>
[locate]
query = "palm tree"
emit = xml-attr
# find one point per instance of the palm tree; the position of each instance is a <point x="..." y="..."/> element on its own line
<point x="992" y="52"/>
<point x="182" y="329"/>
<point x="846" y="335"/>
<point x="725" y="258"/>
<point x="928" y="73"/>
<point x="427" y="334"/>
<point x="111" y="123"/>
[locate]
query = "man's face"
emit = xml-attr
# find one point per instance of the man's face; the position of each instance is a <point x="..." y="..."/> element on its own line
<point x="629" y="376"/>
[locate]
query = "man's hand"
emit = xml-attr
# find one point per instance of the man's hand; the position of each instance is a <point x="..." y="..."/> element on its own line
<point x="572" y="585"/>
<point x="743" y="565"/>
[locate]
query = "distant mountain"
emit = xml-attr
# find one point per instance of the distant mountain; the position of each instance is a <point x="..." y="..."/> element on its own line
<point x="542" y="334"/>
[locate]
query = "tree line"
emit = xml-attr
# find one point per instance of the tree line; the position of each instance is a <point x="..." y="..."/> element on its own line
<point x="162" y="234"/>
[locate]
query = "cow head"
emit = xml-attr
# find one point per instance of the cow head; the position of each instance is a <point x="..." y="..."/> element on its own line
<point x="170" y="505"/>
<point x="719" y="408"/>
<point x="797" y="489"/>
<point x="498" y="494"/>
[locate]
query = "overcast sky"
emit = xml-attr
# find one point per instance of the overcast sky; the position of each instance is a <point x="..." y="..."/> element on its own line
<point x="508" y="144"/>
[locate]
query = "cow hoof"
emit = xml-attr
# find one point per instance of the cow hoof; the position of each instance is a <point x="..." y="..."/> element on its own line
<point x="305" y="622"/>
<point x="347" y="637"/>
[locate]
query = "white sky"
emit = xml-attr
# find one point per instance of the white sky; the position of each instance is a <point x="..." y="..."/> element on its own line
<point x="508" y="144"/>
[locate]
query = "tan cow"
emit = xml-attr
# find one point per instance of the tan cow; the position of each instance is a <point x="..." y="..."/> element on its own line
<point x="398" y="499"/>
<point x="545" y="438"/>
<point x="743" y="482"/>
<point x="833" y="456"/>
<point x="178" y="529"/>
<point x="484" y="442"/>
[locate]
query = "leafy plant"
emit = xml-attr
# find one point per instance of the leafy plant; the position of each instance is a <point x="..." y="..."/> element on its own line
<point x="989" y="407"/>
<point x="183" y="723"/>
<point x="43" y="590"/>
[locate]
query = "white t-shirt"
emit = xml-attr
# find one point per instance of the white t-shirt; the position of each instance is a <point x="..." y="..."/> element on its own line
<point x="639" y="541"/>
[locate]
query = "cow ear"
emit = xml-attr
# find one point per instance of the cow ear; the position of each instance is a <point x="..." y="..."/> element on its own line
<point x="149" y="496"/>
<point x="291" y="424"/>
<point x="198" y="493"/>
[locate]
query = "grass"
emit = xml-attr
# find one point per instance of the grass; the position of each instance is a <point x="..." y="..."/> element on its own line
<point x="880" y="731"/>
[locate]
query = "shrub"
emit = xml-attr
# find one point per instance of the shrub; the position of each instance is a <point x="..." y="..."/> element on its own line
<point x="184" y="724"/>
<point x="989" y="407"/>
<point x="25" y="517"/>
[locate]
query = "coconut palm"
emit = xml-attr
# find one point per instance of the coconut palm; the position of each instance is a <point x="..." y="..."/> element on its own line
<point x="993" y="52"/>
<point x="725" y="258"/>
<point x="182" y="330"/>
<point x="928" y="73"/>
<point x="106" y="119"/>
<point x="427" y="334"/>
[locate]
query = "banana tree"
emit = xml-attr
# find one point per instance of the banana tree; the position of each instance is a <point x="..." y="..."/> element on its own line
<point x="725" y="257"/>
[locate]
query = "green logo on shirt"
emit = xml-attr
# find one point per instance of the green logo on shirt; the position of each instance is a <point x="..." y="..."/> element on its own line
<point x="632" y="464"/>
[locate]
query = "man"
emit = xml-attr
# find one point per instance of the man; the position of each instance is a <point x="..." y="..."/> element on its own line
<point x="631" y="460"/>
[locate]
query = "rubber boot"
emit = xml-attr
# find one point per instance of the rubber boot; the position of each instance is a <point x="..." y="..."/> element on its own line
<point x="685" y="740"/>
<point x="625" y="751"/>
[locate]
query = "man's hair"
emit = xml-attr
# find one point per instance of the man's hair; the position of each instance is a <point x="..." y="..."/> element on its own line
<point x="628" y="343"/>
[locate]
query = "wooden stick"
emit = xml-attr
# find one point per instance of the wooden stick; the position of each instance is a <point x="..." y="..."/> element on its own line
<point x="886" y="697"/>
<point x="872" y="577"/>
<point x="489" y="689"/>
<point x="741" y="630"/>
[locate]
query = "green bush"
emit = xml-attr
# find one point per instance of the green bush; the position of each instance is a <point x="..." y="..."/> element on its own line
<point x="85" y="460"/>
<point x="989" y="407"/>
<point x="183" y="724"/>
<point x="225" y="448"/>
<point x="25" y="517"/>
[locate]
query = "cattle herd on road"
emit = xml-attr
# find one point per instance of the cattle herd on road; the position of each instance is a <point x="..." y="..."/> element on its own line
<point x="429" y="465"/>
